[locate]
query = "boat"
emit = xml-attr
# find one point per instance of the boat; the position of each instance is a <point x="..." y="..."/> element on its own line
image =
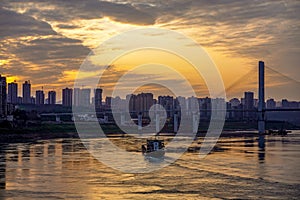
<point x="155" y="148"/>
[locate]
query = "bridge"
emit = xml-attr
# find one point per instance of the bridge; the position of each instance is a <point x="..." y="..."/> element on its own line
<point x="261" y="110"/>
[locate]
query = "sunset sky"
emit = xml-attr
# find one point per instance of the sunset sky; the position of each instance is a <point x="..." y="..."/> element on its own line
<point x="46" y="41"/>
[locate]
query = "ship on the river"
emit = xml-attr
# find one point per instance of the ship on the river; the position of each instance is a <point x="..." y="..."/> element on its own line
<point x="155" y="148"/>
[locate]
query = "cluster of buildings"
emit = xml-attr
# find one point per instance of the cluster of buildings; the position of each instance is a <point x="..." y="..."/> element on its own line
<point x="81" y="97"/>
<point x="237" y="109"/>
<point x="10" y="98"/>
<point x="27" y="98"/>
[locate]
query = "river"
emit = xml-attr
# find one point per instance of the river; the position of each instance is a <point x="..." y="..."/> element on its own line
<point x="237" y="169"/>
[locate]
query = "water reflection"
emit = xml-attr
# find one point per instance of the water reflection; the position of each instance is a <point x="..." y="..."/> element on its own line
<point x="249" y="142"/>
<point x="261" y="150"/>
<point x="63" y="168"/>
<point x="2" y="167"/>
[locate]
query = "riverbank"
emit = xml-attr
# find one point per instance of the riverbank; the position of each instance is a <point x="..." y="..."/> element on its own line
<point x="46" y="131"/>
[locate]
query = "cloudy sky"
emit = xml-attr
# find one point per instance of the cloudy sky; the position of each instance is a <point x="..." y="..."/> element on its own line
<point x="46" y="41"/>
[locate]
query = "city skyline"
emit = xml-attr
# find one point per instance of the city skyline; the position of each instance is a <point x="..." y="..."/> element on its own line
<point x="123" y="97"/>
<point x="85" y="96"/>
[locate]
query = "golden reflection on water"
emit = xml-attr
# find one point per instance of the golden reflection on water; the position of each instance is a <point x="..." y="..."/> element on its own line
<point x="237" y="168"/>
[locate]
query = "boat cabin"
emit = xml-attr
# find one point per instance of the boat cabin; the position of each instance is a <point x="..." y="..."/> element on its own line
<point x="153" y="145"/>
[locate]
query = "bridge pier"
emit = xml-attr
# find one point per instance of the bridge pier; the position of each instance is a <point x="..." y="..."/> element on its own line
<point x="123" y="119"/>
<point x="105" y="118"/>
<point x="175" y="123"/>
<point x="157" y="121"/>
<point x="261" y="98"/>
<point x="195" y="122"/>
<point x="140" y="125"/>
<point x="57" y="118"/>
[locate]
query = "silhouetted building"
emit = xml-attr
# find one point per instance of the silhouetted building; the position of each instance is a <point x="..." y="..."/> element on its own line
<point x="12" y="95"/>
<point x="118" y="104"/>
<point x="81" y="97"/>
<point x="271" y="104"/>
<point x="85" y="97"/>
<point x="98" y="97"/>
<point x="249" y="100"/>
<point x="131" y="100"/>
<point x="108" y="101"/>
<point x="243" y="101"/>
<point x="27" y="92"/>
<point x="51" y="97"/>
<point x="39" y="97"/>
<point x="144" y="101"/>
<point x="76" y="97"/>
<point x="289" y="104"/>
<point x="67" y="97"/>
<point x="32" y="100"/>
<point x="19" y="100"/>
<point x="140" y="103"/>
<point x="168" y="103"/>
<point x="205" y="107"/>
<point x="193" y="104"/>
<point x="180" y="103"/>
<point x="3" y="97"/>
<point x="235" y="102"/>
<point x="236" y="107"/>
<point x="248" y="106"/>
<point x="255" y="103"/>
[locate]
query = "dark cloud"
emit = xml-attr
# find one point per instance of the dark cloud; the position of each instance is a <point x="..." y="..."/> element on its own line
<point x="89" y="9"/>
<point x="13" y="24"/>
<point x="230" y="11"/>
<point x="43" y="51"/>
<point x="250" y="29"/>
<point x="67" y="26"/>
<point x="35" y="50"/>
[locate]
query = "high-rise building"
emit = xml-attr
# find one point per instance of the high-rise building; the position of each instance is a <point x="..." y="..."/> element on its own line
<point x="235" y="102"/>
<point x="249" y="105"/>
<point x="249" y="100"/>
<point x="130" y="101"/>
<point x="108" y="101"/>
<point x="271" y="103"/>
<point x="205" y="106"/>
<point x="98" y="97"/>
<point x="289" y="104"/>
<point x="39" y="97"/>
<point x="180" y="103"/>
<point x="51" y="97"/>
<point x="27" y="92"/>
<point x="76" y="97"/>
<point x="118" y="104"/>
<point x="82" y="97"/>
<point x="3" y="97"/>
<point x="19" y="100"/>
<point x="12" y="96"/>
<point x="144" y="101"/>
<point x="67" y="97"/>
<point x="140" y="103"/>
<point x="85" y="97"/>
<point x="168" y="103"/>
<point x="32" y="100"/>
<point x="236" y="106"/>
<point x="193" y="104"/>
